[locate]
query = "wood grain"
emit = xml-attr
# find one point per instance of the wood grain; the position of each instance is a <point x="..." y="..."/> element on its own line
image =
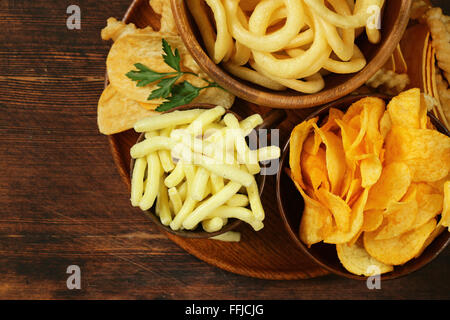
<point x="63" y="202"/>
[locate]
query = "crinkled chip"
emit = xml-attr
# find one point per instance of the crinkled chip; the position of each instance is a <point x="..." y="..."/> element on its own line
<point x="314" y="169"/>
<point x="394" y="181"/>
<point x="405" y="109"/>
<point x="298" y="137"/>
<point x="316" y="220"/>
<point x="338" y="207"/>
<point x="356" y="222"/>
<point x="117" y="113"/>
<point x="334" y="156"/>
<point x="356" y="260"/>
<point x="372" y="220"/>
<point x="430" y="204"/>
<point x="445" y="218"/>
<point x="399" y="217"/>
<point x="401" y="249"/>
<point x="115" y="29"/>
<point x="425" y="151"/>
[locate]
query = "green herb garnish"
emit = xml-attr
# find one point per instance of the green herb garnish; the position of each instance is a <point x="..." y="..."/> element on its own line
<point x="174" y="94"/>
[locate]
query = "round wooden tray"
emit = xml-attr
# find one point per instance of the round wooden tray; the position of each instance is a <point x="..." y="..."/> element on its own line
<point x="267" y="254"/>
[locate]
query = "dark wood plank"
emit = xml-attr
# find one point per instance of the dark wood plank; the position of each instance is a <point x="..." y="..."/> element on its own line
<point x="63" y="202"/>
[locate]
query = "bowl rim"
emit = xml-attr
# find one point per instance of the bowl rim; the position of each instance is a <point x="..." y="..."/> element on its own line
<point x="282" y="212"/>
<point x="262" y="96"/>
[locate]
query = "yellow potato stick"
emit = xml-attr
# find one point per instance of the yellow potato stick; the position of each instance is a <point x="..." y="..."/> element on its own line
<point x="176" y="200"/>
<point x="240" y="213"/>
<point x="185" y="210"/>
<point x="211" y="204"/>
<point x="164" y="155"/>
<point x="268" y="153"/>
<point x="137" y="185"/>
<point x="208" y="190"/>
<point x="151" y="145"/>
<point x="182" y="190"/>
<point x="255" y="200"/>
<point x="207" y="117"/>
<point x="238" y="200"/>
<point x="199" y="184"/>
<point x="212" y="225"/>
<point x="162" y="203"/>
<point x="226" y="171"/>
<point x="250" y="123"/>
<point x="153" y="179"/>
<point x="166" y="120"/>
<point x="217" y="183"/>
<point x="175" y="177"/>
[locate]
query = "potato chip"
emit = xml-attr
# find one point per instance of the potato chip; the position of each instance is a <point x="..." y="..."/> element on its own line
<point x="354" y="191"/>
<point x="316" y="220"/>
<point x="425" y="151"/>
<point x="391" y="187"/>
<point x="405" y="109"/>
<point x="338" y="207"/>
<point x="371" y="169"/>
<point x="356" y="260"/>
<point x="298" y="136"/>
<point x="445" y="217"/>
<point x="330" y="124"/>
<point x="399" y="217"/>
<point x="401" y="249"/>
<point x="356" y="222"/>
<point x="163" y="8"/>
<point x="430" y="204"/>
<point x="312" y="144"/>
<point x="334" y="155"/>
<point x="314" y="169"/>
<point x="147" y="50"/>
<point x="117" y="113"/>
<point x="115" y="29"/>
<point x="372" y="220"/>
<point x="385" y="124"/>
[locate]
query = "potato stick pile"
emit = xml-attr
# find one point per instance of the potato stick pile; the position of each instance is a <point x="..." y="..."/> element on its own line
<point x="196" y="169"/>
<point x="280" y="44"/>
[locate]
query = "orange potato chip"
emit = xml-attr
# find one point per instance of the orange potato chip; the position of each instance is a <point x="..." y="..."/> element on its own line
<point x="356" y="260"/>
<point x="385" y="124"/>
<point x="372" y="220"/>
<point x="334" y="156"/>
<point x="314" y="169"/>
<point x="391" y="187"/>
<point x="425" y="151"/>
<point x="312" y="144"/>
<point x="353" y="191"/>
<point x="405" y="109"/>
<point x="399" y="217"/>
<point x="430" y="204"/>
<point x="445" y="217"/>
<point x="401" y="249"/>
<point x="298" y="137"/>
<point x="356" y="222"/>
<point x="316" y="220"/>
<point x="338" y="207"/>
<point x="330" y="124"/>
<point x="371" y="169"/>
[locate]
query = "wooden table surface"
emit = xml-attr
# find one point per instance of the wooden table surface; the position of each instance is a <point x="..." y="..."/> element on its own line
<point x="63" y="203"/>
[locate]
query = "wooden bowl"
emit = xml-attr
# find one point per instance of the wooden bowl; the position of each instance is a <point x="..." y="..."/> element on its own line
<point x="395" y="19"/>
<point x="291" y="209"/>
<point x="271" y="119"/>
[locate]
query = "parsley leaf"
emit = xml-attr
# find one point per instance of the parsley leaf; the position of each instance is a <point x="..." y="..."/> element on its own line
<point x="170" y="58"/>
<point x="174" y="94"/>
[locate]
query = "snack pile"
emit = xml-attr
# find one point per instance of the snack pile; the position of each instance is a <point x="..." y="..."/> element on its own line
<point x="374" y="180"/>
<point x="198" y="169"/>
<point x="149" y="72"/>
<point x="282" y="44"/>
